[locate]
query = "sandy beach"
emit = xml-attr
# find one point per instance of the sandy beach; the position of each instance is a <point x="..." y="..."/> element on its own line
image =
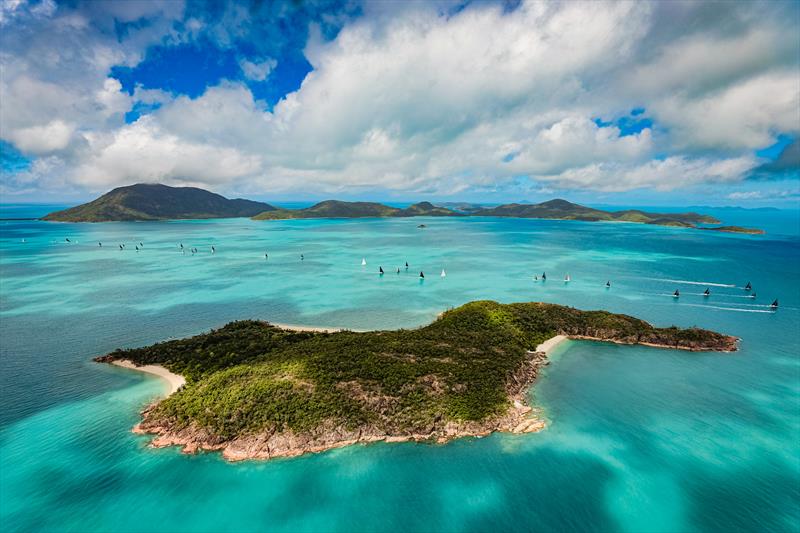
<point x="174" y="380"/>
<point x="307" y="328"/>
<point x="551" y="343"/>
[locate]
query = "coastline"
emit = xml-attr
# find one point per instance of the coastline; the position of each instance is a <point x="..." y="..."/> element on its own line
<point x="175" y="381"/>
<point x="547" y="346"/>
<point x="517" y="417"/>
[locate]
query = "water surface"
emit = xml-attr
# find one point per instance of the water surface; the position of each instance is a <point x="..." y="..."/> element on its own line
<point x="639" y="439"/>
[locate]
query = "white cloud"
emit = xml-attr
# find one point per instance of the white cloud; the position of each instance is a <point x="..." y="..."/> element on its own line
<point x="142" y="152"/>
<point x="409" y="100"/>
<point x="51" y="137"/>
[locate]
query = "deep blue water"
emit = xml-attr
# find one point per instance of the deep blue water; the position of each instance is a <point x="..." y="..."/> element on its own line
<point x="638" y="439"/>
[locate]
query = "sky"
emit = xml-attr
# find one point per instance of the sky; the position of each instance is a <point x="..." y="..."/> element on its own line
<point x="631" y="103"/>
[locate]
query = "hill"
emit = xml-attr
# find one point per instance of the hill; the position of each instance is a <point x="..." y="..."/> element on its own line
<point x="564" y="210"/>
<point x="255" y="390"/>
<point x="340" y="209"/>
<point x="158" y="202"/>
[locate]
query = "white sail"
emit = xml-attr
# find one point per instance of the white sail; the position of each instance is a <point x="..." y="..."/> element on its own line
<point x="363" y="261"/>
<point x="444" y="274"/>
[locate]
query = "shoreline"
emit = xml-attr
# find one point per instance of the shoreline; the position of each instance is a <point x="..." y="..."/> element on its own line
<point x="175" y="381"/>
<point x="517" y="420"/>
<point x="518" y="417"/>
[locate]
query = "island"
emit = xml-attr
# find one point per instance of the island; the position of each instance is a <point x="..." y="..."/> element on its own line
<point x="563" y="210"/>
<point x="735" y="229"/>
<point x="258" y="391"/>
<point x="339" y="209"/>
<point x="146" y="201"/>
<point x="160" y="202"/>
<point x="553" y="209"/>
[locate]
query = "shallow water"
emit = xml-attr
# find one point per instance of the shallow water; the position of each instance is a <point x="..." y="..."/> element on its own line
<point x="639" y="439"/>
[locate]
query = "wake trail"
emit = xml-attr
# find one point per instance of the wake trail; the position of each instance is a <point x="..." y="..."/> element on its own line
<point x="687" y="282"/>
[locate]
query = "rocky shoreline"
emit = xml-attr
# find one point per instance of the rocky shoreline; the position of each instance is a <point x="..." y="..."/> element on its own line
<point x="270" y="445"/>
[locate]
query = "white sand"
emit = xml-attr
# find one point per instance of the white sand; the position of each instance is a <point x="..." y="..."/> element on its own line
<point x="306" y="328"/>
<point x="551" y="343"/>
<point x="174" y="380"/>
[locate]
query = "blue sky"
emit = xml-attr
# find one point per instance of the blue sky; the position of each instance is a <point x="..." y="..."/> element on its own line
<point x="619" y="103"/>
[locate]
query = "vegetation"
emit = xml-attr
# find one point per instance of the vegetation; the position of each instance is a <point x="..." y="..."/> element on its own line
<point x="158" y="202"/>
<point x="736" y="229"/>
<point x="251" y="377"/>
<point x="553" y="209"/>
<point x="564" y="210"/>
<point x="339" y="209"/>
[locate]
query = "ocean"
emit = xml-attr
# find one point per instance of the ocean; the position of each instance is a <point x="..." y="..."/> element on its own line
<point x="638" y="439"/>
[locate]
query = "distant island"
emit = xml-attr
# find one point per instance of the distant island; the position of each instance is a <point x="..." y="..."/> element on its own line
<point x="254" y="390"/>
<point x="161" y="202"/>
<point x="339" y="209"/>
<point x="736" y="229"/>
<point x="553" y="209"/>
<point x="145" y="201"/>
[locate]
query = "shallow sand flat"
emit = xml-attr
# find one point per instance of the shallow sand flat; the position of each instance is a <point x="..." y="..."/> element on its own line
<point x="175" y="381"/>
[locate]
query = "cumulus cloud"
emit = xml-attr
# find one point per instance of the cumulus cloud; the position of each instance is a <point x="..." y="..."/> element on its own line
<point x="423" y="99"/>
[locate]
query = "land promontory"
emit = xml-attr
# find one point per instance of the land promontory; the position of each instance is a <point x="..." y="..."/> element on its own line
<point x="255" y="390"/>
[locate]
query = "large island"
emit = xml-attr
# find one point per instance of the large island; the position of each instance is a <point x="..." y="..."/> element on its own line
<point x="153" y="201"/>
<point x="254" y="390"/>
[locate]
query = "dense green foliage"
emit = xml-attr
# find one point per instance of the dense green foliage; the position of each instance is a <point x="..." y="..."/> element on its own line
<point x="250" y="376"/>
<point x="158" y="202"/>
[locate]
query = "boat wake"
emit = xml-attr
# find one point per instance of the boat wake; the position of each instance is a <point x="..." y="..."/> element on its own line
<point x="740" y="310"/>
<point x="687" y="282"/>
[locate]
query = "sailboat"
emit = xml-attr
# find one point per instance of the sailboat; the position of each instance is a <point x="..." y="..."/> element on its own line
<point x="608" y="284"/>
<point x="406" y="265"/>
<point x="567" y="279"/>
<point x="363" y="261"/>
<point x="380" y="270"/>
<point x="676" y="294"/>
<point x="544" y="276"/>
<point x="748" y="286"/>
<point x="706" y="293"/>
<point x="421" y="275"/>
<point x="774" y="304"/>
<point x="443" y="274"/>
<point x="753" y="295"/>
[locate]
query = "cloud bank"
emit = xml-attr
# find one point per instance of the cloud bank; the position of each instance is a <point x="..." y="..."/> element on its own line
<point x="423" y="99"/>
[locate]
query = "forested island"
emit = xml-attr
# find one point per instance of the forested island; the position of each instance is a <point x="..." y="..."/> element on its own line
<point x="339" y="209"/>
<point x="145" y="201"/>
<point x="255" y="390"/>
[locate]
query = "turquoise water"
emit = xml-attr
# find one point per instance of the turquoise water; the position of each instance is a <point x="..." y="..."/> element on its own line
<point x="639" y="439"/>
